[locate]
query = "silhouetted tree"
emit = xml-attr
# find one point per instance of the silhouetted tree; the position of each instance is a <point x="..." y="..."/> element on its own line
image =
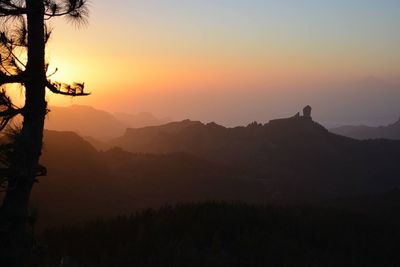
<point x="23" y="38"/>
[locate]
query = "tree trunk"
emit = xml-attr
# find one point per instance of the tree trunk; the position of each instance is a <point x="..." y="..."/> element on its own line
<point x="29" y="142"/>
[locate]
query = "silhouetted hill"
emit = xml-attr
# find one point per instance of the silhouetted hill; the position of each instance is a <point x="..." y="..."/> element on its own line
<point x="76" y="187"/>
<point x="98" y="124"/>
<point x="83" y="183"/>
<point x="84" y="120"/>
<point x="212" y="234"/>
<point x="97" y="144"/>
<point x="142" y="119"/>
<point x="285" y="161"/>
<point x="297" y="157"/>
<point x="391" y="131"/>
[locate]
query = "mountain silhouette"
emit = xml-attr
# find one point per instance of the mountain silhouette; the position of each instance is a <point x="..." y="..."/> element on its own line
<point x="85" y="120"/>
<point x="118" y="182"/>
<point x="141" y="119"/>
<point x="296" y="154"/>
<point x="289" y="160"/>
<point x="391" y="131"/>
<point x="98" y="124"/>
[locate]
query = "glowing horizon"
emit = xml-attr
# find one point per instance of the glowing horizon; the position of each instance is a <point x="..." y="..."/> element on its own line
<point x="133" y="52"/>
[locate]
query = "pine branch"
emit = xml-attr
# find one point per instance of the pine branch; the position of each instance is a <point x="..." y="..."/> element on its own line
<point x="9" y="61"/>
<point x="76" y="89"/>
<point x="7" y="110"/>
<point x="7" y="8"/>
<point x="6" y="79"/>
<point x="74" y="9"/>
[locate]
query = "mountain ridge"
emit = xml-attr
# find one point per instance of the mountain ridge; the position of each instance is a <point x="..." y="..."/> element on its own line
<point x="96" y="123"/>
<point x="390" y="131"/>
<point x="284" y="149"/>
<point x="290" y="160"/>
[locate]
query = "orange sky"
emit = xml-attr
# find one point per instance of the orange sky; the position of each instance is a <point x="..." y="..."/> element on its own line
<point x="132" y="54"/>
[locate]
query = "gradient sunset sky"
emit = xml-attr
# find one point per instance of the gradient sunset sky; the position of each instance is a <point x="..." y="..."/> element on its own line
<point x="226" y="60"/>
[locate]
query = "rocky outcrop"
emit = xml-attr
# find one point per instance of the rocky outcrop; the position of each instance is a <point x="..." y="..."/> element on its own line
<point x="307" y="112"/>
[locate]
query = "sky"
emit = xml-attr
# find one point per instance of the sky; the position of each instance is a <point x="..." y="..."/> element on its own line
<point x="234" y="61"/>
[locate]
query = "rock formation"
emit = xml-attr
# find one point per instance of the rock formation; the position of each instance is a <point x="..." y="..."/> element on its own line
<point x="307" y="112"/>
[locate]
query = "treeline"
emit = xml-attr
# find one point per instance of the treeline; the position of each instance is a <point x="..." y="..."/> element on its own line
<point x="222" y="234"/>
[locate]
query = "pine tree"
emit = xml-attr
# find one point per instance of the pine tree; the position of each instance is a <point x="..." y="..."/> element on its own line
<point x="25" y="32"/>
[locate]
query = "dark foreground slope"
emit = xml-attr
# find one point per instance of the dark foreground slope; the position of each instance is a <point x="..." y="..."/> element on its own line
<point x="229" y="235"/>
<point x="391" y="131"/>
<point x="83" y="183"/>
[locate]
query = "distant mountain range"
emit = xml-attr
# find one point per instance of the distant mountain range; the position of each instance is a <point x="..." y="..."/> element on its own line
<point x="285" y="160"/>
<point x="296" y="154"/>
<point x="391" y="131"/>
<point x="97" y="124"/>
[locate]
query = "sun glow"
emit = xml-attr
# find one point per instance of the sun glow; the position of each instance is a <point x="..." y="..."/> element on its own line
<point x="175" y="52"/>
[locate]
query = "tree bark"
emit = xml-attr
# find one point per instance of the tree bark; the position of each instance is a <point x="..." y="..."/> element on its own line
<point x="29" y="141"/>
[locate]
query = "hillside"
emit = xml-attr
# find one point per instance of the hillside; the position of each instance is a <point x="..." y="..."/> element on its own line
<point x="83" y="183"/>
<point x="97" y="124"/>
<point x="141" y="119"/>
<point x="391" y="131"/>
<point x="297" y="155"/>
<point x="85" y="120"/>
<point x="285" y="161"/>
